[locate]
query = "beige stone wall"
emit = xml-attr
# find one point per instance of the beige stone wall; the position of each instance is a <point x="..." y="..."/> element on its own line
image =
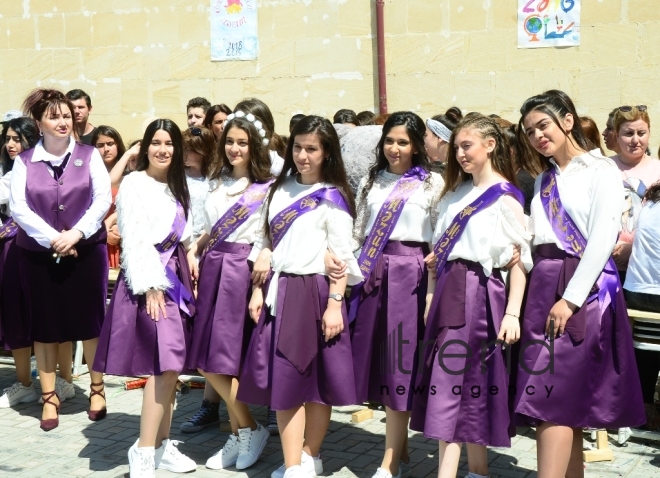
<point x="138" y="58"/>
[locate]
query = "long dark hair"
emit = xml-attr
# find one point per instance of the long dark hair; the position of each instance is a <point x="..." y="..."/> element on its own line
<point x="28" y="133"/>
<point x="259" y="165"/>
<point x="653" y="193"/>
<point x="524" y="156"/>
<point x="556" y="104"/>
<point x="261" y="110"/>
<point x="203" y="144"/>
<point x="332" y="171"/>
<point x="415" y="127"/>
<point x="214" y="110"/>
<point x="176" y="174"/>
<point x="110" y="132"/>
<point x="499" y="158"/>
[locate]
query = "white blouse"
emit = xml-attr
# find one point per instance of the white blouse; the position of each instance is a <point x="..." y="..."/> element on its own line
<point x="199" y="191"/>
<point x="5" y="182"/>
<point x="303" y="247"/>
<point x="490" y="235"/>
<point x="276" y="163"/>
<point x="644" y="267"/>
<point x="418" y="217"/>
<point x="225" y="192"/>
<point x="591" y="190"/>
<point x="145" y="213"/>
<point x="34" y="225"/>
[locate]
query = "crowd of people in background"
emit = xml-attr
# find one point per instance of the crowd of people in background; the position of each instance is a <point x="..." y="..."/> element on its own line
<point x="237" y="246"/>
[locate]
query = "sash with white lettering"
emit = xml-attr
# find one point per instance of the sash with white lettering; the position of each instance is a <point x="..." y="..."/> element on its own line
<point x="455" y="230"/>
<point x="235" y="216"/>
<point x="382" y="229"/>
<point x="8" y="229"/>
<point x="283" y="220"/>
<point x="573" y="241"/>
<point x="177" y="292"/>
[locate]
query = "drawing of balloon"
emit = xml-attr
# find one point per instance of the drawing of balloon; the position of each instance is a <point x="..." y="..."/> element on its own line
<point x="533" y="25"/>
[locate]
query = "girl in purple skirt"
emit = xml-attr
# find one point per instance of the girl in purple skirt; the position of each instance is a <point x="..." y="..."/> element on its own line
<point x="299" y="357"/>
<point x="147" y="326"/>
<point x="60" y="193"/>
<point x="462" y="386"/>
<point x="577" y="365"/>
<point x="222" y="327"/>
<point x="396" y="210"/>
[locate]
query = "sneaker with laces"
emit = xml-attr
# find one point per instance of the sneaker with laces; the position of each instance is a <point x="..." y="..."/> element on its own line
<point x="64" y="390"/>
<point x="206" y="416"/>
<point x="168" y="457"/>
<point x="271" y="423"/>
<point x="250" y="445"/>
<point x="313" y="466"/>
<point x="141" y="461"/>
<point x="226" y="456"/>
<point x="18" y="393"/>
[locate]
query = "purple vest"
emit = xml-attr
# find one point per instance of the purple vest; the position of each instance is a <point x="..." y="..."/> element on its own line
<point x="61" y="203"/>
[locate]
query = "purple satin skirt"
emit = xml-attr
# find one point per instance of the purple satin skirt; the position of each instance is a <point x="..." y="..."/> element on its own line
<point x="66" y="301"/>
<point x="587" y="383"/>
<point x="222" y="328"/>
<point x="461" y="391"/>
<point x="15" y="330"/>
<point x="133" y="344"/>
<point x="388" y="326"/>
<point x="268" y="377"/>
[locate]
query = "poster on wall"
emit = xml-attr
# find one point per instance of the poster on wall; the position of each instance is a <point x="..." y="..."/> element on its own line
<point x="548" y="23"/>
<point x="234" y="30"/>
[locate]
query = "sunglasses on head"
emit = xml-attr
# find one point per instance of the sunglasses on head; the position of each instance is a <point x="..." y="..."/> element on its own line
<point x="627" y="108"/>
<point x="195" y="131"/>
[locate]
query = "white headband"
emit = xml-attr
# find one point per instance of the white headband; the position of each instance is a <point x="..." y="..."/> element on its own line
<point x="252" y="119"/>
<point x="440" y="130"/>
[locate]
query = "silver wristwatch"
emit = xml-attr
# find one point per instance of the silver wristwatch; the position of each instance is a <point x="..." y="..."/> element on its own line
<point x="337" y="297"/>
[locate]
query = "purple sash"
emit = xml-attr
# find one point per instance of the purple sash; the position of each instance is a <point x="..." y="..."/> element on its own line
<point x="177" y="292"/>
<point x="573" y="241"/>
<point x="285" y="218"/>
<point x="8" y="229"/>
<point x="236" y="215"/>
<point x="455" y="230"/>
<point x="382" y="229"/>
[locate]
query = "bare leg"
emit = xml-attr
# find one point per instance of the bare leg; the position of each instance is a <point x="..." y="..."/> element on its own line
<point x="575" y="465"/>
<point x="405" y="453"/>
<point x="477" y="459"/>
<point x="227" y="388"/>
<point x="210" y="394"/>
<point x="292" y="430"/>
<point x="22" y="363"/>
<point x="89" y="349"/>
<point x="317" y="420"/>
<point x="396" y="432"/>
<point x="448" y="458"/>
<point x="65" y="360"/>
<point x="166" y="422"/>
<point x="46" y="355"/>
<point x="156" y="400"/>
<point x="554" y="444"/>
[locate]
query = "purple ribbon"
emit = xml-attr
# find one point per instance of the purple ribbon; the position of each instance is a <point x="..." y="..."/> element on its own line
<point x="455" y="230"/>
<point x="8" y="229"/>
<point x="235" y="216"/>
<point x="177" y="292"/>
<point x="285" y="218"/>
<point x="382" y="229"/>
<point x="573" y="241"/>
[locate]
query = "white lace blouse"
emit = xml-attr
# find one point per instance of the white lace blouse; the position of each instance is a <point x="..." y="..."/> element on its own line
<point x="199" y="191"/>
<point x="145" y="213"/>
<point x="302" y="249"/>
<point x="491" y="234"/>
<point x="591" y="190"/>
<point x="225" y="192"/>
<point x="418" y="216"/>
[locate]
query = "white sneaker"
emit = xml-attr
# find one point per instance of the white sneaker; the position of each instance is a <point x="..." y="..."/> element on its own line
<point x="383" y="473"/>
<point x="295" y="471"/>
<point x="624" y="434"/>
<point x="168" y="457"/>
<point x="313" y="466"/>
<point x="226" y="456"/>
<point x="141" y="461"/>
<point x="250" y="445"/>
<point x="18" y="393"/>
<point x="64" y="390"/>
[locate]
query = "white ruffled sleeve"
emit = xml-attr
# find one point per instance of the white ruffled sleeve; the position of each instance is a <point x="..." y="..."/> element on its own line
<point x="514" y="232"/>
<point x="339" y="225"/>
<point x="139" y="258"/>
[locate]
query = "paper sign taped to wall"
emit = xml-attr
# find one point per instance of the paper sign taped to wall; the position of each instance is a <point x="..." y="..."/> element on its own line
<point x="234" y="30"/>
<point x="547" y="23"/>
